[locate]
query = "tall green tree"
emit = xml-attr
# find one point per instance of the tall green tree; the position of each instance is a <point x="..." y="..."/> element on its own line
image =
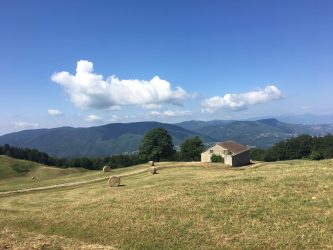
<point x="156" y="145"/>
<point x="191" y="149"/>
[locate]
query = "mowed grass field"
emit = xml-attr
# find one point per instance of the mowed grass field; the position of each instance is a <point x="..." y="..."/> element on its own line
<point x="185" y="206"/>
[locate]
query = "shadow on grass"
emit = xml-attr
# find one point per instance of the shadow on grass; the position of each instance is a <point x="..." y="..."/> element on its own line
<point x="243" y="167"/>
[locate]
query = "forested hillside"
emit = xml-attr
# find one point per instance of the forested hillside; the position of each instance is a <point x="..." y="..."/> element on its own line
<point x="301" y="147"/>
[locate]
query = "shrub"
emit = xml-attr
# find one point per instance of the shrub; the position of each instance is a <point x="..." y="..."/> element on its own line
<point x="216" y="158"/>
<point x="315" y="155"/>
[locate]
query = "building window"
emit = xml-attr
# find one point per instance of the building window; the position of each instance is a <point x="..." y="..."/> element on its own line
<point x="211" y="151"/>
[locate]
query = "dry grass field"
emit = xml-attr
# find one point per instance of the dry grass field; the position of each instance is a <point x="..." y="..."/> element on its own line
<point x="185" y="206"/>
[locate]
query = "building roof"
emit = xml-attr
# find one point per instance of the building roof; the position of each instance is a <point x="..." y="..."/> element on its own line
<point x="233" y="146"/>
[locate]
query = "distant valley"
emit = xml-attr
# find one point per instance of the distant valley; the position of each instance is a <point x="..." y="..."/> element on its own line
<point x="119" y="138"/>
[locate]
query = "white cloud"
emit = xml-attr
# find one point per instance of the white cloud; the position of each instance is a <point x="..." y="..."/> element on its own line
<point x="25" y="125"/>
<point x="152" y="106"/>
<point x="87" y="89"/>
<point x="93" y="118"/>
<point x="114" y="118"/>
<point x="54" y="112"/>
<point x="171" y="113"/>
<point x="241" y="101"/>
<point x="156" y="113"/>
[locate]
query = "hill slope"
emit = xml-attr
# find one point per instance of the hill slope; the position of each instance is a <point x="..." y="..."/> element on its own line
<point x="10" y="167"/>
<point x="268" y="205"/>
<point x="103" y="140"/>
<point x="17" y="174"/>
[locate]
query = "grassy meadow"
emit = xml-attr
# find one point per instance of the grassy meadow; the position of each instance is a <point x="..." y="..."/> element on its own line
<point x="185" y="206"/>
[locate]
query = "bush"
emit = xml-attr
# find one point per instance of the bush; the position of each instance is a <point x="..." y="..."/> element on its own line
<point x="316" y="156"/>
<point x="216" y="158"/>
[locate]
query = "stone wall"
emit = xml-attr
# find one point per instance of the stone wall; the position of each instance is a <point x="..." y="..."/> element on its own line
<point x="241" y="159"/>
<point x="228" y="160"/>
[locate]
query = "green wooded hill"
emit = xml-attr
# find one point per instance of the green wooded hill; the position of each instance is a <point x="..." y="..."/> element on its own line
<point x="110" y="139"/>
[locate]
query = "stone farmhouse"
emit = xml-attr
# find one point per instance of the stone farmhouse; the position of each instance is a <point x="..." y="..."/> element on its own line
<point x="233" y="153"/>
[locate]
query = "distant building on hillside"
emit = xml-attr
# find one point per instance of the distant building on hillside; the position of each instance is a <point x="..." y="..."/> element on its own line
<point x="233" y="153"/>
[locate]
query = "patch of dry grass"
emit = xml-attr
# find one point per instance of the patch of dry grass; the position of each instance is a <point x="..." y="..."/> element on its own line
<point x="273" y="205"/>
<point x="11" y="239"/>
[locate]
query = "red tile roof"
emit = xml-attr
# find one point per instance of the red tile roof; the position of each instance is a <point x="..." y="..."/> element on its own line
<point x="233" y="146"/>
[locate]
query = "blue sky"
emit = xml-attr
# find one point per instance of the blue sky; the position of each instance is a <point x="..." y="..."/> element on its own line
<point x="170" y="61"/>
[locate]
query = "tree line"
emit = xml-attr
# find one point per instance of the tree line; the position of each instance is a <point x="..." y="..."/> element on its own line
<point x="300" y="147"/>
<point x="93" y="163"/>
<point x="156" y="145"/>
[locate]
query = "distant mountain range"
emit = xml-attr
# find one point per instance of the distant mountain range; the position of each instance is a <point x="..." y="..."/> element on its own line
<point x="260" y="133"/>
<point x="118" y="138"/>
<point x="114" y="138"/>
<point x="301" y="118"/>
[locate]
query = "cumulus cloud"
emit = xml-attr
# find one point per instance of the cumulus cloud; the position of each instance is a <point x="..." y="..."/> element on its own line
<point x="25" y="125"/>
<point x="171" y="113"/>
<point x="54" y="112"/>
<point x="87" y="89"/>
<point x="93" y="118"/>
<point x="241" y="101"/>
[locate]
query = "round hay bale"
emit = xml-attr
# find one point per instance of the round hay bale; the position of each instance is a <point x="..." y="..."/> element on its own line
<point x="152" y="170"/>
<point x="32" y="177"/>
<point x="106" y="169"/>
<point x="114" y="181"/>
<point x="151" y="163"/>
